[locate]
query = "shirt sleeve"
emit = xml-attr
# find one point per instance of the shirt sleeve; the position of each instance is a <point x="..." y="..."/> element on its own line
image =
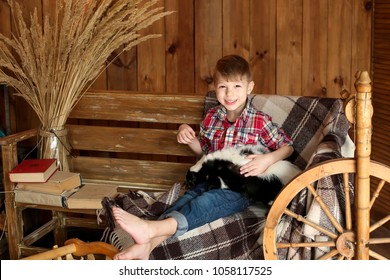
<point x="204" y="141"/>
<point x="274" y="136"/>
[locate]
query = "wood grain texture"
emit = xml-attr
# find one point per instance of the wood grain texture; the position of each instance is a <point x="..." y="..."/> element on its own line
<point x="151" y="57"/>
<point x="128" y="140"/>
<point x="208" y="42"/>
<point x="381" y="97"/>
<point x="339" y="45"/>
<point x="262" y="51"/>
<point x="145" y="174"/>
<point x="289" y="47"/>
<point x="236" y="14"/>
<point x="180" y="48"/>
<point x="140" y="107"/>
<point x="294" y="47"/>
<point x="314" y="47"/>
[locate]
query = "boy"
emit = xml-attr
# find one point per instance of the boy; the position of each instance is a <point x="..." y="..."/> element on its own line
<point x="235" y="122"/>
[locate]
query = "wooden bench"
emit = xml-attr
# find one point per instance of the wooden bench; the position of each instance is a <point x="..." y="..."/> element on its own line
<point x="129" y="138"/>
<point x="126" y="138"/>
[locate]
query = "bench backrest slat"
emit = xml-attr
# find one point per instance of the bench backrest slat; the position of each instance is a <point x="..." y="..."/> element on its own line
<point x="139" y="107"/>
<point x="130" y="138"/>
<point x="126" y="140"/>
<point x="142" y="174"/>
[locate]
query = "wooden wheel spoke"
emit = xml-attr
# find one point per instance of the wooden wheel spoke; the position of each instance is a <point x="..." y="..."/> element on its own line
<point x="378" y="189"/>
<point x="325" y="208"/>
<point x="375" y="255"/>
<point x="281" y="245"/>
<point x="382" y="240"/>
<point x="313" y="225"/>
<point x="380" y="223"/>
<point x="329" y="255"/>
<point x="348" y="215"/>
<point x="349" y="243"/>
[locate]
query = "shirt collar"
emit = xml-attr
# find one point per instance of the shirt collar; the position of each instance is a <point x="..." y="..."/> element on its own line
<point x="248" y="110"/>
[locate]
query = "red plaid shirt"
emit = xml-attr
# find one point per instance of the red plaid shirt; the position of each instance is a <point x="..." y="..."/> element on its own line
<point x="251" y="128"/>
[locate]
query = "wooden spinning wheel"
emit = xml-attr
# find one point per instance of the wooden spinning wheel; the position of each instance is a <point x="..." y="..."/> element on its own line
<point x="352" y="239"/>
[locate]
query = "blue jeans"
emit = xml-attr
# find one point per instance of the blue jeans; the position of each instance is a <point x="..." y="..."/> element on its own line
<point x="200" y="206"/>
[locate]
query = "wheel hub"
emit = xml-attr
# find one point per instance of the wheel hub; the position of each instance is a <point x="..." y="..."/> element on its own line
<point x="345" y="244"/>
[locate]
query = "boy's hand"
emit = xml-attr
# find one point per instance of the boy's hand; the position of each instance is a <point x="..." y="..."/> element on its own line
<point x="257" y="165"/>
<point x="185" y="134"/>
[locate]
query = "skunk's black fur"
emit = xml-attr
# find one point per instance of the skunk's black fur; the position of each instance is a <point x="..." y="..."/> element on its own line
<point x="221" y="169"/>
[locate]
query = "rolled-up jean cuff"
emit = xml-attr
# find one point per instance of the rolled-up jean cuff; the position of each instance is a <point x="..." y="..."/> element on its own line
<point x="182" y="224"/>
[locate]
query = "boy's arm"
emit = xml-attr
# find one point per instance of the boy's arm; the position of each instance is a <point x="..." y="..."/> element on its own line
<point x="196" y="148"/>
<point x="260" y="162"/>
<point x="186" y="135"/>
<point x="282" y="153"/>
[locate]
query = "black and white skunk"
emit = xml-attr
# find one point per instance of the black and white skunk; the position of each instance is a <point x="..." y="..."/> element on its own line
<point x="221" y="169"/>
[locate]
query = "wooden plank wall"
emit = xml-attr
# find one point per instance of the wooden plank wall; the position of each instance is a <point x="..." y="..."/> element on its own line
<point x="295" y="47"/>
<point x="381" y="95"/>
<point x="6" y="30"/>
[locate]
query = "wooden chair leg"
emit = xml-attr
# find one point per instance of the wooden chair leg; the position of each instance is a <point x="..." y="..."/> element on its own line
<point x="14" y="228"/>
<point x="60" y="234"/>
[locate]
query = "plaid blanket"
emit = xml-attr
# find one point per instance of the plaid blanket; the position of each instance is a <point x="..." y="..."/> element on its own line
<point x="233" y="237"/>
<point x="318" y="128"/>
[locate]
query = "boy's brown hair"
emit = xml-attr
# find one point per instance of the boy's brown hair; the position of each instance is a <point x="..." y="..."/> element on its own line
<point x="233" y="66"/>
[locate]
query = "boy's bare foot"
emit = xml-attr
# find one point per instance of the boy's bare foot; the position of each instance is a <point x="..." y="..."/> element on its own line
<point x="135" y="252"/>
<point x="136" y="227"/>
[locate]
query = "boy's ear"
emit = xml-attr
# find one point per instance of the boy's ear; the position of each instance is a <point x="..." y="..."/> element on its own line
<point x="251" y="85"/>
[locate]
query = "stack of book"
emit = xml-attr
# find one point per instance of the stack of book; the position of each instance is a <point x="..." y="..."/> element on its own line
<point x="38" y="181"/>
<point x="90" y="196"/>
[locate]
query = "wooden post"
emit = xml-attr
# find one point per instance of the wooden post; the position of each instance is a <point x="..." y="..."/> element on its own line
<point x="364" y="113"/>
<point x="9" y="151"/>
<point x="13" y="229"/>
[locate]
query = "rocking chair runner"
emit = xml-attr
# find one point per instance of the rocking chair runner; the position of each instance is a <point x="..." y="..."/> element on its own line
<point x="76" y="249"/>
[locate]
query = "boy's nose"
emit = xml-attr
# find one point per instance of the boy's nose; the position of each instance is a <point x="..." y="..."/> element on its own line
<point x="229" y="91"/>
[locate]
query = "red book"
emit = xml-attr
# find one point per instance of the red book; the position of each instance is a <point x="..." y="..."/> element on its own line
<point x="33" y="170"/>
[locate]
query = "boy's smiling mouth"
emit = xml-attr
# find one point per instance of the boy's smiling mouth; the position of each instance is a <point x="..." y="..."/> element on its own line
<point x="230" y="102"/>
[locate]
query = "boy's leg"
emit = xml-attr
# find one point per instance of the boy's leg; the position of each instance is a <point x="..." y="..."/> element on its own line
<point x="207" y="207"/>
<point x="202" y="209"/>
<point x="186" y="197"/>
<point x="142" y="231"/>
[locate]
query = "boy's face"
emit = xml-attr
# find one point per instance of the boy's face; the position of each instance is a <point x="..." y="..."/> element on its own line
<point x="232" y="92"/>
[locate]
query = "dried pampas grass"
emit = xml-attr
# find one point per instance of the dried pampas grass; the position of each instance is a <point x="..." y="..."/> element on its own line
<point x="51" y="65"/>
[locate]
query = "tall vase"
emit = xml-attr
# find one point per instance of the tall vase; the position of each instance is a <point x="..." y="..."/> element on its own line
<point x="54" y="144"/>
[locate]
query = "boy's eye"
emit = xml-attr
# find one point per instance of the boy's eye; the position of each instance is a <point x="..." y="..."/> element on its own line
<point x="237" y="86"/>
<point x="221" y="86"/>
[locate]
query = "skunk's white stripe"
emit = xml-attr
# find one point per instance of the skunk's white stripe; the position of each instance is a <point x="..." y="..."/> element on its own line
<point x="223" y="185"/>
<point x="283" y="169"/>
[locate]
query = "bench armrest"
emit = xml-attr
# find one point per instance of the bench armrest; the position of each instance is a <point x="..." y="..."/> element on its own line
<point x="9" y="153"/>
<point x="18" y="137"/>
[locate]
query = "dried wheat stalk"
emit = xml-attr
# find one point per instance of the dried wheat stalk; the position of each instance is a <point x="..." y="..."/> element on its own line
<point x="51" y="65"/>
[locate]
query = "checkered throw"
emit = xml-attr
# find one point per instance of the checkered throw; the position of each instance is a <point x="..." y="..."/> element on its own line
<point x="318" y="128"/>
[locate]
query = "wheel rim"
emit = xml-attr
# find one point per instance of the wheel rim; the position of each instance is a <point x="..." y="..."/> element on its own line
<point x="340" y="242"/>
